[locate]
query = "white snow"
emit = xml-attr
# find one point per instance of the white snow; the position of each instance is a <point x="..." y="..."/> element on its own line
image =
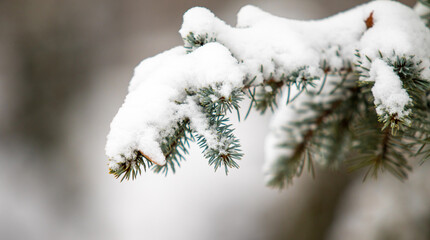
<point x="390" y="96"/>
<point x="263" y="46"/>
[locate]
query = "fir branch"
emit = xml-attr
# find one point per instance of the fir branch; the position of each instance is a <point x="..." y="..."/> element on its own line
<point x="289" y="166"/>
<point x="131" y="168"/>
<point x="409" y="71"/>
<point x="192" y="42"/>
<point x="344" y="120"/>
<point x="175" y="146"/>
<point x="418" y="135"/>
<point x="264" y="96"/>
<point x="227" y="152"/>
<point x="216" y="106"/>
<point x="378" y="151"/>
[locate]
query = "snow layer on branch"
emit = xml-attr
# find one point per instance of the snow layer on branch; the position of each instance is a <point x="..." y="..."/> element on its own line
<point x="157" y="99"/>
<point x="282" y="45"/>
<point x="271" y="47"/>
<point x="390" y="96"/>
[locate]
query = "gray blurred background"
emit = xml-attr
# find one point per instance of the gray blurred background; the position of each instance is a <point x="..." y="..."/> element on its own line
<point x="64" y="71"/>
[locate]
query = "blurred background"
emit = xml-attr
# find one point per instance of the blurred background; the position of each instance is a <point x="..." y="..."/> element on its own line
<point x="64" y="72"/>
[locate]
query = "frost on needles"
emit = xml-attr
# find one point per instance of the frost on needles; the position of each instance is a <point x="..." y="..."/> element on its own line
<point x="347" y="90"/>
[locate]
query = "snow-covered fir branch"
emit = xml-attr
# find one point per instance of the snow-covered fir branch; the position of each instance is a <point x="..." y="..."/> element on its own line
<point x="372" y="61"/>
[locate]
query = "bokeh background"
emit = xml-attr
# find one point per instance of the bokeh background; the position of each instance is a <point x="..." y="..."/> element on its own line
<point x="64" y="72"/>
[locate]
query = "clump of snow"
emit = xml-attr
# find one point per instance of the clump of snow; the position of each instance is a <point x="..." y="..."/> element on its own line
<point x="397" y="28"/>
<point x="151" y="110"/>
<point x="390" y="96"/>
<point x="201" y="21"/>
<point x="398" y="31"/>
